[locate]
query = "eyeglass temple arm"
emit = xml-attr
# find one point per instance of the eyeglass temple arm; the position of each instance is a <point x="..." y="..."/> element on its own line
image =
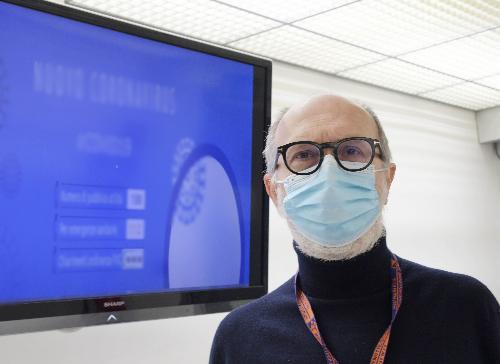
<point x="278" y="152"/>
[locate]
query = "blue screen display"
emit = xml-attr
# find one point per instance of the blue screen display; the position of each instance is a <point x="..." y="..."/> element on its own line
<point x="125" y="163"/>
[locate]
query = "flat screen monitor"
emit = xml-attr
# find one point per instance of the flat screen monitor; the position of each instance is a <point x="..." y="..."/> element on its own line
<point x="130" y="171"/>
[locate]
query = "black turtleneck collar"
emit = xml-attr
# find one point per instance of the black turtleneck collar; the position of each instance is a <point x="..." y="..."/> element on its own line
<point x="361" y="276"/>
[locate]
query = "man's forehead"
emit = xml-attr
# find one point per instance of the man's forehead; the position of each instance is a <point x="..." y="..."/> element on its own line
<point x="336" y="118"/>
<point x="317" y="118"/>
<point x="290" y="126"/>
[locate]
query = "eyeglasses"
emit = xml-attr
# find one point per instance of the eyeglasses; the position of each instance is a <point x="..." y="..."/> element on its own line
<point x="352" y="154"/>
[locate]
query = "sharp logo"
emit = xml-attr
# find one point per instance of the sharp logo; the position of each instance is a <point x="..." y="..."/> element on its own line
<point x="114" y="304"/>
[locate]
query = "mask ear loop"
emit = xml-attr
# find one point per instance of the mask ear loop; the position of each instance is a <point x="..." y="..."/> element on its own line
<point x="292" y="177"/>
<point x="275" y="181"/>
<point x="382" y="169"/>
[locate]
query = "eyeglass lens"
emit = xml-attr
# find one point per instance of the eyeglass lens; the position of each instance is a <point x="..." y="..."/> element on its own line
<point x="352" y="155"/>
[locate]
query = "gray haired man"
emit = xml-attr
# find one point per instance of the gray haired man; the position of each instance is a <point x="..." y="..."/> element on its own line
<point x="329" y="173"/>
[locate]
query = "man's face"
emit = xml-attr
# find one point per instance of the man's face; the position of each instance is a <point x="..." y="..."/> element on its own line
<point x="326" y="119"/>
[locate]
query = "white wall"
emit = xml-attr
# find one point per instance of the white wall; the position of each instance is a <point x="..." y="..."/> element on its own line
<point x="442" y="212"/>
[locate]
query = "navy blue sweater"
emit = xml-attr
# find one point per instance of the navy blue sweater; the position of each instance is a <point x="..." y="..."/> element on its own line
<point x="444" y="317"/>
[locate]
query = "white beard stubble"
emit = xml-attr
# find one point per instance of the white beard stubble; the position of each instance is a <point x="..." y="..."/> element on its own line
<point x="359" y="246"/>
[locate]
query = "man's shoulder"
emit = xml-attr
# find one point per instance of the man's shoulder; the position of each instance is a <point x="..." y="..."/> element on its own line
<point x="266" y="308"/>
<point x="253" y="331"/>
<point x="455" y="310"/>
<point x="432" y="283"/>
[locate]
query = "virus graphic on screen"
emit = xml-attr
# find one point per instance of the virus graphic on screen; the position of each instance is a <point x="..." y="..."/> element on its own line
<point x="183" y="149"/>
<point x="191" y="194"/>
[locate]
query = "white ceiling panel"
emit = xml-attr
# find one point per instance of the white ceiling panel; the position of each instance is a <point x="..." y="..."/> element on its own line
<point x="397" y="26"/>
<point x="468" y="58"/>
<point x="202" y="19"/>
<point x="491" y="81"/>
<point x="287" y="10"/>
<point x="468" y="95"/>
<point x="401" y="76"/>
<point x="306" y="49"/>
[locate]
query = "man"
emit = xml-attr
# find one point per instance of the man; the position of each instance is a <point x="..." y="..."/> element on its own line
<point x="329" y="172"/>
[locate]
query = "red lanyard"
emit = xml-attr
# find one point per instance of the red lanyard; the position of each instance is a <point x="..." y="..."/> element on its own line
<point x="381" y="348"/>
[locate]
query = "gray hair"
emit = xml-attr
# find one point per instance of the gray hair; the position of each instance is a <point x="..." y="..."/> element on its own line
<point x="270" y="151"/>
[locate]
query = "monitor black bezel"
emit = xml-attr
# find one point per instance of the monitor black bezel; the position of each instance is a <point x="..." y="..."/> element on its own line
<point x="62" y="313"/>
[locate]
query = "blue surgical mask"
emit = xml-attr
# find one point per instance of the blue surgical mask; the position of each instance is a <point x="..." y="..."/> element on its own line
<point x="332" y="207"/>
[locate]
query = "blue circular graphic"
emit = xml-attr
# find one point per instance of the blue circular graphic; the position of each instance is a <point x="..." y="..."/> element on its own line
<point x="205" y="227"/>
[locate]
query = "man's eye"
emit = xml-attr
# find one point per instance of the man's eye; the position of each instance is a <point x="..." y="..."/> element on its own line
<point x="303" y="155"/>
<point x="352" y="151"/>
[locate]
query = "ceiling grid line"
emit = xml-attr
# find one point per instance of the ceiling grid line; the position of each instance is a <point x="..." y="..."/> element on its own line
<point x="274" y="19"/>
<point x="449" y="41"/>
<point x="382" y="54"/>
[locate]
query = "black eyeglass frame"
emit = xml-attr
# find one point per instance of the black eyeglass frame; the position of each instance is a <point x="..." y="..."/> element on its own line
<point x="374" y="143"/>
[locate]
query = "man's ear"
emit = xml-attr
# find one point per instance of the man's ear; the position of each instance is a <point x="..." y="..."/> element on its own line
<point x="391" y="174"/>
<point x="390" y="177"/>
<point x="271" y="188"/>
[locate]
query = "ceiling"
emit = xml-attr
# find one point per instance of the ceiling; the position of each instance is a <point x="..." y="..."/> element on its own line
<point x="444" y="50"/>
